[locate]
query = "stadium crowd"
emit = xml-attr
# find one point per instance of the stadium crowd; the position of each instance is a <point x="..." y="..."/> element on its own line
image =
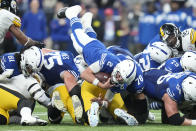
<point x="98" y="60"/>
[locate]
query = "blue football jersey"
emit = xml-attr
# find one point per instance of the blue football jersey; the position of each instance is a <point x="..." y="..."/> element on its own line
<point x="172" y="65"/>
<point x="96" y="51"/>
<point x="158" y="82"/>
<point x="146" y="61"/>
<point x="138" y="83"/>
<point x="8" y="61"/>
<point x="56" y="63"/>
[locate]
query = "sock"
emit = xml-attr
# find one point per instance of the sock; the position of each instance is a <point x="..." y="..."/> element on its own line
<point x="75" y="24"/>
<point x="25" y="112"/>
<point x="90" y="32"/>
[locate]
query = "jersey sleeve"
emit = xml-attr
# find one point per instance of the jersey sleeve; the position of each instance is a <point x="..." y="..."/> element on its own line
<point x="173" y="65"/>
<point x="10" y="19"/>
<point x="174" y="91"/>
<point x="68" y="58"/>
<point x="137" y="85"/>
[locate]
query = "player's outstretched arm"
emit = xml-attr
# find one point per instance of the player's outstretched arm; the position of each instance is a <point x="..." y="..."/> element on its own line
<point x="23" y="39"/>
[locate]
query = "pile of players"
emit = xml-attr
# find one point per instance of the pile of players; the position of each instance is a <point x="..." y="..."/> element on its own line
<point x="100" y="84"/>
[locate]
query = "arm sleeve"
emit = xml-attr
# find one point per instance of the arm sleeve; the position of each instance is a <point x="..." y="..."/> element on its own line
<point x="39" y="94"/>
<point x="95" y="67"/>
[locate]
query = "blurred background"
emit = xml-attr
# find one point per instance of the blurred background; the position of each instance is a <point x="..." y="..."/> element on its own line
<point x="130" y="24"/>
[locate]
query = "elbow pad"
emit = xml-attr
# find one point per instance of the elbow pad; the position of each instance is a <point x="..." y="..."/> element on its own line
<point x="39" y="94"/>
<point x="176" y="119"/>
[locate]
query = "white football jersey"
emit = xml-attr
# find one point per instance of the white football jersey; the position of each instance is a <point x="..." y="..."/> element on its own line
<point x="20" y="84"/>
<point x="188" y="39"/>
<point x="6" y="20"/>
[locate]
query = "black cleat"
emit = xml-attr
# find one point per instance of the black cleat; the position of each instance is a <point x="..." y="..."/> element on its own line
<point x="61" y="13"/>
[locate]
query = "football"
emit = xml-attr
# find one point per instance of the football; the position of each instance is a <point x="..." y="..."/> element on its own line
<point x="102" y="77"/>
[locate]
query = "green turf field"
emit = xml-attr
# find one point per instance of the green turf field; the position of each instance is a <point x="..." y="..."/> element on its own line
<point x="67" y="125"/>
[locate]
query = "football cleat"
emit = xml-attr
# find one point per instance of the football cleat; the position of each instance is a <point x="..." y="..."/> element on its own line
<point x="129" y="119"/>
<point x="57" y="102"/>
<point x="78" y="108"/>
<point x="61" y="13"/>
<point x="69" y="12"/>
<point x="33" y="121"/>
<point x="93" y="114"/>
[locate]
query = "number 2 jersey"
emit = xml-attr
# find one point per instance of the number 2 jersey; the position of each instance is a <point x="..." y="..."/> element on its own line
<point x="158" y="82"/>
<point x="55" y="63"/>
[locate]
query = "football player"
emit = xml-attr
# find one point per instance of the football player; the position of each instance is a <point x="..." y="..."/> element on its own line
<point x="95" y="54"/>
<point x="58" y="67"/>
<point x="173" y="90"/>
<point x="10" y="22"/>
<point x="177" y="40"/>
<point x="30" y="88"/>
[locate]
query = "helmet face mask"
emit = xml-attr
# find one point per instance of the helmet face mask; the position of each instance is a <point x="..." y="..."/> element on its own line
<point x="32" y="61"/>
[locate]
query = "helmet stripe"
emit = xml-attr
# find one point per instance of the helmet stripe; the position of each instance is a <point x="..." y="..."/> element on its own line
<point x="161" y="31"/>
<point x="159" y="49"/>
<point x="131" y="71"/>
<point x="40" y="59"/>
<point x="192" y="51"/>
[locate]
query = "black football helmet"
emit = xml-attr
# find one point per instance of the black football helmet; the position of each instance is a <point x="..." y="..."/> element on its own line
<point x="10" y="5"/>
<point x="170" y="34"/>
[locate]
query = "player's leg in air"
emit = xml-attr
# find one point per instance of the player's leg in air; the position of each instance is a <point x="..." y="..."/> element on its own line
<point x="11" y="100"/>
<point x="79" y="37"/>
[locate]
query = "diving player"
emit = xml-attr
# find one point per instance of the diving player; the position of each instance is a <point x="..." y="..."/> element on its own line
<point x="173" y="90"/>
<point x="10" y="22"/>
<point x="95" y="54"/>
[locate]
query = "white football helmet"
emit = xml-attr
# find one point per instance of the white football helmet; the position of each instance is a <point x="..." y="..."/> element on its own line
<point x="159" y="52"/>
<point x="127" y="70"/>
<point x="32" y="60"/>
<point x="189" y="88"/>
<point x="188" y="61"/>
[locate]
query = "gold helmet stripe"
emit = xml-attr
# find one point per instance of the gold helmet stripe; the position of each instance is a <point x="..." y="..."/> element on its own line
<point x="161" y="31"/>
<point x="193" y="36"/>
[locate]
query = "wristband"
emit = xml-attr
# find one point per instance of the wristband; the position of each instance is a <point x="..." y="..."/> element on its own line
<point x="95" y="82"/>
<point x="193" y="122"/>
<point x="27" y="41"/>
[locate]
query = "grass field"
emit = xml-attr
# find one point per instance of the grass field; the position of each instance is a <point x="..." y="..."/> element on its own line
<point x="67" y="125"/>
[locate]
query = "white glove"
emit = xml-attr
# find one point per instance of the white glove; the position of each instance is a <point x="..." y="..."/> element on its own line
<point x="57" y="102"/>
<point x="7" y="73"/>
